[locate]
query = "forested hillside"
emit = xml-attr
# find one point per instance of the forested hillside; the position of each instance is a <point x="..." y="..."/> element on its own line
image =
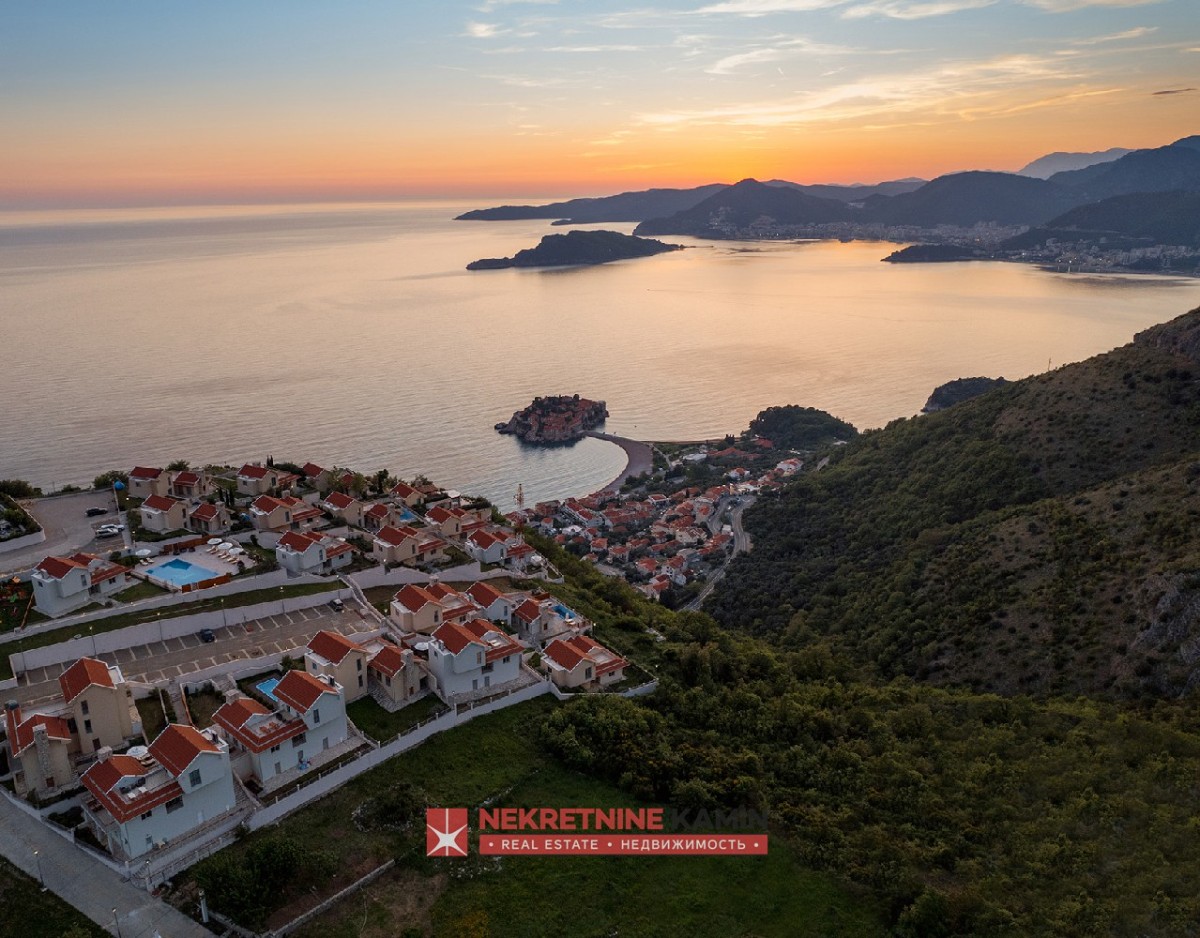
<point x="1036" y="539"/>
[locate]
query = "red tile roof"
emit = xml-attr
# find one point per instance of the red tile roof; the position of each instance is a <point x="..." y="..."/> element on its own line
<point x="455" y="637"/>
<point x="267" y="503"/>
<point x="499" y="643"/>
<point x="403" y="490"/>
<point x="20" y="732"/>
<point x="206" y="511"/>
<point x="562" y="654"/>
<point x="312" y="470"/>
<point x="83" y="674"/>
<point x="101" y="569"/>
<point x="178" y="746"/>
<point x="253" y="472"/>
<point x="145" y="472"/>
<point x="339" y="501"/>
<point x="103" y="778"/>
<point x="414" y="598"/>
<point x="377" y="511"/>
<point x="295" y="540"/>
<point x="160" y="502"/>
<point x="395" y="536"/>
<point x="332" y="646"/>
<point x="300" y="690"/>
<point x="254" y="726"/>
<point x="58" y="567"/>
<point x="484" y="593"/>
<point x="389" y="660"/>
<point x="528" y="611"/>
<point x="187" y="478"/>
<point x="441" y="591"/>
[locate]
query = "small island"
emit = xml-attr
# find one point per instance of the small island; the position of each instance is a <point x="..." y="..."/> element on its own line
<point x="932" y="254"/>
<point x="957" y="391"/>
<point x="577" y="248"/>
<point x="551" y="420"/>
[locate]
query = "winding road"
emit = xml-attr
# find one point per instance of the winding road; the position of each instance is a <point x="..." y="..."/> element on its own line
<point x="741" y="542"/>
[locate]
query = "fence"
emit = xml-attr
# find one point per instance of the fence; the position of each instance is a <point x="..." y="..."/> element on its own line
<point x="329" y="903"/>
<point x="400" y="576"/>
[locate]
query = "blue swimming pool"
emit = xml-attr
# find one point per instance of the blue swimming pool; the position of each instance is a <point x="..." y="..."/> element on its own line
<point x="268" y="687"/>
<point x="181" y="573"/>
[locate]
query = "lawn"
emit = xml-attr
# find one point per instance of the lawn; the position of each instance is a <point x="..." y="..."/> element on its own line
<point x="121" y="620"/>
<point x="382" y="726"/>
<point x="143" y="589"/>
<point x="15" y="600"/>
<point x="154" y="721"/>
<point x="497" y="759"/>
<point x="31" y="913"/>
<point x="202" y="705"/>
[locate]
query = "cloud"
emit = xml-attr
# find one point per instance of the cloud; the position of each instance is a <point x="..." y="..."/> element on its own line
<point x="1067" y="6"/>
<point x="489" y="5"/>
<point x="773" y="53"/>
<point x="482" y="30"/>
<point x="1135" y="33"/>
<point x="1174" y="91"/>
<point x="763" y="7"/>
<point x="597" y="48"/>
<point x="905" y="10"/>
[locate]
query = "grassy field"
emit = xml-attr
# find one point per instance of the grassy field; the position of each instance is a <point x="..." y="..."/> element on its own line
<point x="382" y="726"/>
<point x="497" y="759"/>
<point x="202" y="705"/>
<point x="31" y="913"/>
<point x="142" y="589"/>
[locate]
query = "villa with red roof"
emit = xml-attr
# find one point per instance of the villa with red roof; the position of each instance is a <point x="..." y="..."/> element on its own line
<point x="405" y="544"/>
<point x="331" y="654"/>
<point x="208" y="518"/>
<point x="320" y="703"/>
<point x="317" y="477"/>
<point x="407" y="494"/>
<point x="415" y="609"/>
<point x="490" y="546"/>
<point x="259" y="739"/>
<point x="63" y="584"/>
<point x="100" y="704"/>
<point x="378" y="516"/>
<point x="300" y="552"/>
<point x="255" y="479"/>
<point x="396" y="676"/>
<point x="472" y="657"/>
<point x="145" y="481"/>
<point x="448" y="520"/>
<point x="162" y="513"/>
<point x="346" y="507"/>
<point x="190" y="484"/>
<point x="40" y="749"/>
<point x="137" y="803"/>
<point x="496" y="605"/>
<point x="269" y="513"/>
<point x="580" y="661"/>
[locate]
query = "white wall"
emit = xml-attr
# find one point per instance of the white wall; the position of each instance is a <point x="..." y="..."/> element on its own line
<point x="26" y="540"/>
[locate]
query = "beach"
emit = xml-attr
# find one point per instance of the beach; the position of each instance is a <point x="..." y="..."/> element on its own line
<point x="639" y="459"/>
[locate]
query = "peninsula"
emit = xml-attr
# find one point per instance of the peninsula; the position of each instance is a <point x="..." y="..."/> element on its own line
<point x="550" y="420"/>
<point x="578" y="247"/>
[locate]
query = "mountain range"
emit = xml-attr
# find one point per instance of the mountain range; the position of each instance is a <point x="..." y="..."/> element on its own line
<point x="1046" y="166"/>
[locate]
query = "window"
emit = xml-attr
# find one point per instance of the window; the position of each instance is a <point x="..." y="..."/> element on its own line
<point x="360" y="664"/>
<point x="316" y="716"/>
<point x="194" y="778"/>
<point x="147" y="815"/>
<point x="587" y="673"/>
<point x="87" y="726"/>
<point x="360" y="679"/>
<point x="83" y="708"/>
<point x="298" y="740"/>
<point x="174" y="805"/>
<point x="387" y="681"/>
<point x="275" y="748"/>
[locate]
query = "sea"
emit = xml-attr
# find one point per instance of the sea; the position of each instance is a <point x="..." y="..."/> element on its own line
<point x="352" y="335"/>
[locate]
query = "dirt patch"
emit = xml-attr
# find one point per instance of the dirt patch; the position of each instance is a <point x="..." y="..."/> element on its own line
<point x="398" y="901"/>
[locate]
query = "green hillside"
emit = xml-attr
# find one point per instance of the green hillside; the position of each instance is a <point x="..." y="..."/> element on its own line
<point x="1036" y="538"/>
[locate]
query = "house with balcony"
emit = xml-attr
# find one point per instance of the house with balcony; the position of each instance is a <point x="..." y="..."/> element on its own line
<point x="408" y="545"/>
<point x="63" y="584"/>
<point x="467" y="659"/>
<point x="260" y="740"/>
<point x="140" y="802"/>
<point x="190" y="485"/>
<point x="331" y="654"/>
<point x="255" y="479"/>
<point x="301" y="552"/>
<point x="208" y="518"/>
<point x="162" y="513"/>
<point x="343" y="506"/>
<point x="145" y="481"/>
<point x="581" y="661"/>
<point x="268" y="513"/>
<point x="320" y="702"/>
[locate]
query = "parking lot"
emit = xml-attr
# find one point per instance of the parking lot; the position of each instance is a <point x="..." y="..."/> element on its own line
<point x="68" y="528"/>
<point x="173" y="658"/>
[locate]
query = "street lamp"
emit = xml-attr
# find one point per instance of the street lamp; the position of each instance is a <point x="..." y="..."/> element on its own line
<point x="37" y="858"/>
<point x="116" y="923"/>
<point x="281" y="609"/>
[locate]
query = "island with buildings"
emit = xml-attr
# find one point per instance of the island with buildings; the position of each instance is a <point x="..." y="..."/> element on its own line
<point x="554" y="420"/>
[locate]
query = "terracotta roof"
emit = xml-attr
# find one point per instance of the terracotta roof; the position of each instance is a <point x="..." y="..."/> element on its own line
<point x="312" y="470"/>
<point x="414" y="598"/>
<point x="455" y="637"/>
<point x="267" y="503"/>
<point x="332" y="646"/>
<point x="295" y="540"/>
<point x="403" y="489"/>
<point x="160" y="502"/>
<point x="484" y="593"/>
<point x="145" y="472"/>
<point x="187" y="478"/>
<point x="440" y="514"/>
<point x="336" y="547"/>
<point x="99" y="568"/>
<point x="395" y="536"/>
<point x="377" y="511"/>
<point x="20" y="732"/>
<point x="562" y="654"/>
<point x="339" y="501"/>
<point x="103" y="778"/>
<point x="389" y="660"/>
<point x="441" y="591"/>
<point x="206" y="511"/>
<point x="253" y="472"/>
<point x="300" y="690"/>
<point x="499" y="643"/>
<point x="254" y="726"/>
<point x="83" y="674"/>
<point x="58" y="567"/>
<point x="528" y="611"/>
<point x="178" y="746"/>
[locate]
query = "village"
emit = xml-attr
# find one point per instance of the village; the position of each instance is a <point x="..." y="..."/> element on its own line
<point x="239" y="642"/>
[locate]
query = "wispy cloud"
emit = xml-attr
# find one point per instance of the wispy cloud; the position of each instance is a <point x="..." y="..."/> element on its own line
<point x="774" y="53"/>
<point x="1067" y="6"/>
<point x="907" y="10"/>
<point x="482" y="30"/>
<point x="763" y="7"/>
<point x="1135" y="33"/>
<point x="1174" y="91"/>
<point x="597" y="48"/>
<point x="489" y="5"/>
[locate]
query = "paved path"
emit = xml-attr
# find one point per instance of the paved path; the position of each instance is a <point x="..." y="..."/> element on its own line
<point x="639" y="458"/>
<point x="86" y="883"/>
<point x="741" y="544"/>
<point x="68" y="528"/>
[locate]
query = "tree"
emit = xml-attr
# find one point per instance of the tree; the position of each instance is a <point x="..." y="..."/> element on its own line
<point x="106" y="479"/>
<point x="19" y="488"/>
<point x="179" y="465"/>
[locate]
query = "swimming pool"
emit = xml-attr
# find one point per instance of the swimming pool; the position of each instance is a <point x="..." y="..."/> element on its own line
<point x="181" y="573"/>
<point x="268" y="687"/>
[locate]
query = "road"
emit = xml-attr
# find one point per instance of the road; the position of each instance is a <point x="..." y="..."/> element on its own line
<point x="68" y="528"/>
<point x="741" y="544"/>
<point x="163" y="661"/>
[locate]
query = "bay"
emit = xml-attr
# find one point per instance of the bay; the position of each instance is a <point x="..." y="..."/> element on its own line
<point x="352" y="335"/>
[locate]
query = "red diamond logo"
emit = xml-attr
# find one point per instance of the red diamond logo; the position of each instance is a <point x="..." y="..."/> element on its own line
<point x="446" y="832"/>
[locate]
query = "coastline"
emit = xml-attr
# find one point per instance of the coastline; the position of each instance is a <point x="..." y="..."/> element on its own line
<point x="639" y="458"/>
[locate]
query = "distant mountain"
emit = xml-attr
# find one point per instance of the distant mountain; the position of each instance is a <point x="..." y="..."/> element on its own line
<point x="1192" y="142"/>
<point x="855" y="193"/>
<point x="627" y="206"/>
<point x="577" y="248"/>
<point x="1046" y="166"/>
<point x="745" y="206"/>
<point x="1159" y="170"/>
<point x="1157" y="217"/>
<point x="968" y="198"/>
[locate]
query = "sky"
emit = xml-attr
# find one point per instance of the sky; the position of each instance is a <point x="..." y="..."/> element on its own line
<point x="169" y="102"/>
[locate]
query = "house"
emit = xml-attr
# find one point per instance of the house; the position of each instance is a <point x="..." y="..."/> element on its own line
<point x="404" y="492"/>
<point x="415" y="609"/>
<point x="456" y="606"/>
<point x="531" y="620"/>
<point x="321" y="703"/>
<point x="396" y="675"/>
<point x="448" y="520"/>
<point x="145" y="481"/>
<point x="259" y="738"/>
<point x="256" y="479"/>
<point x="190" y="485"/>
<point x="343" y="506"/>
<point x="209" y="518"/>
<point x="404" y="544"/>
<point x="495" y="605"/>
<point x="317" y="477"/>
<point x="64" y="584"/>
<point x="40" y="750"/>
<point x="489" y="546"/>
<point x="378" y="516"/>
<point x="269" y="513"/>
<point x="100" y="704"/>
<point x="580" y="661"/>
<point x="331" y="654"/>
<point x="465" y="658"/>
<point x="182" y="782"/>
<point x="300" y="552"/>
<point x="162" y="513"/>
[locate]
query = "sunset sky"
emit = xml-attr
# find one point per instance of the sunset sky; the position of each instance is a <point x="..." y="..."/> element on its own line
<point x="168" y="101"/>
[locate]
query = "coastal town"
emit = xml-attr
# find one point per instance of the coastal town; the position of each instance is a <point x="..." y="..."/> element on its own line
<point x="192" y="652"/>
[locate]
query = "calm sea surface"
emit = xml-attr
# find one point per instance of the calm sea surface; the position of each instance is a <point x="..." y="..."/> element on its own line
<point x="352" y="335"/>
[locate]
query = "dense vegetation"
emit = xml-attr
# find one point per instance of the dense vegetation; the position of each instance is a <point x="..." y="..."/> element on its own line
<point x="804" y="428"/>
<point x="1033" y="539"/>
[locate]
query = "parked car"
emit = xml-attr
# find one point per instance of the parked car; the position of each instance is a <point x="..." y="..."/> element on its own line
<point x="207" y="635"/>
<point x="106" y="532"/>
<point x="93" y="512"/>
<point x="337" y="605"/>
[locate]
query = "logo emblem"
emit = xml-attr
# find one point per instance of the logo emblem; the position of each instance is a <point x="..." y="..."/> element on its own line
<point x="446" y="832"/>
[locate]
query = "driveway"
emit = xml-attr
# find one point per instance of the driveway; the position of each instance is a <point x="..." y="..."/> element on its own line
<point x="68" y="528"/>
<point x="164" y="661"/>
